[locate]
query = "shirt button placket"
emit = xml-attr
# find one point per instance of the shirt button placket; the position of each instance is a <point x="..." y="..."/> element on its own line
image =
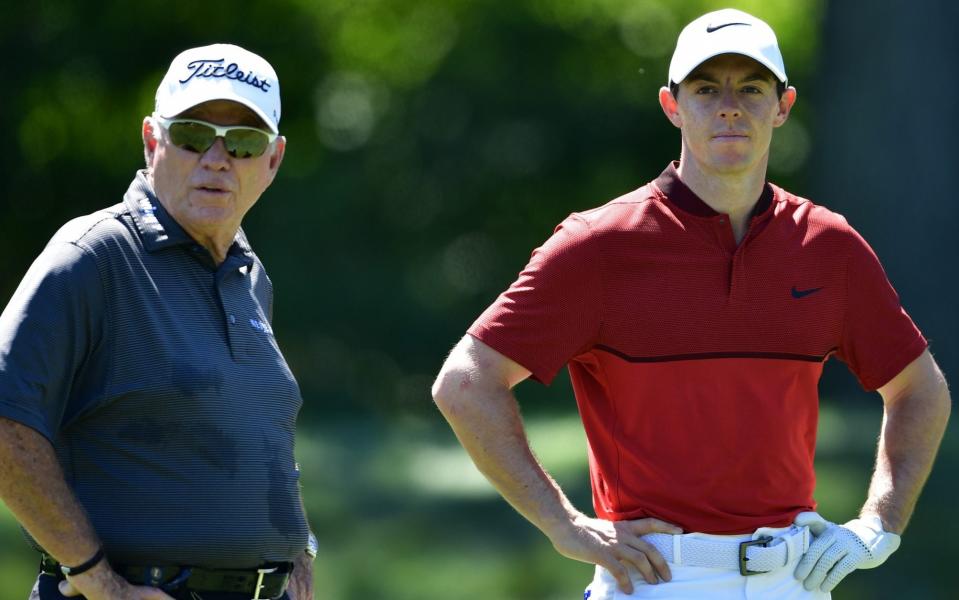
<point x="738" y="283"/>
<point x="230" y="301"/>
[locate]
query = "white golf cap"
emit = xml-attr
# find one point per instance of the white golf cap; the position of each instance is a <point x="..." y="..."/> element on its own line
<point x="727" y="31"/>
<point x="220" y="72"/>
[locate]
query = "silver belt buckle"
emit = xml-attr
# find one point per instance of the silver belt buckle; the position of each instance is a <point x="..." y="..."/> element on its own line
<point x="259" y="581"/>
<point x="762" y="542"/>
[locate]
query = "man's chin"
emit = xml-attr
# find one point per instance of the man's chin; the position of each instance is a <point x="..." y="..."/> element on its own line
<point x="731" y="165"/>
<point x="208" y="218"/>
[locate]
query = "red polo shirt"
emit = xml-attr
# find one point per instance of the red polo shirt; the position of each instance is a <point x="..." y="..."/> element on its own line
<point x="694" y="361"/>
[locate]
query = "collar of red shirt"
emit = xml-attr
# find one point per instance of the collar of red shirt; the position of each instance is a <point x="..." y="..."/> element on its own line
<point x="686" y="200"/>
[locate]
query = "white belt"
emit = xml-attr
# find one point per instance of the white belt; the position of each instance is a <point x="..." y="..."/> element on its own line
<point x="761" y="554"/>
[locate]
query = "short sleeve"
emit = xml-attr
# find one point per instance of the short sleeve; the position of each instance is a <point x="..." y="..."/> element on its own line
<point x="47" y="331"/>
<point x="879" y="339"/>
<point x="552" y="312"/>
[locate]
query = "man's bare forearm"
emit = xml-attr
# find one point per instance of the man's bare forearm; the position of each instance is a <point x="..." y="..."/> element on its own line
<point x="474" y="393"/>
<point x="912" y="429"/>
<point x="488" y="425"/>
<point x="33" y="488"/>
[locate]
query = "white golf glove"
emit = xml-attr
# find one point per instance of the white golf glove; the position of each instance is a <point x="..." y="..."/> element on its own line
<point x="838" y="550"/>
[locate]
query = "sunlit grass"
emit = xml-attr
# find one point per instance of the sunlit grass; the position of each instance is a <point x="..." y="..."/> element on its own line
<point x="18" y="562"/>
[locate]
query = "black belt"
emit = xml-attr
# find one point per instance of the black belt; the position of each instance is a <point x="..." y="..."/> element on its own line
<point x="268" y="581"/>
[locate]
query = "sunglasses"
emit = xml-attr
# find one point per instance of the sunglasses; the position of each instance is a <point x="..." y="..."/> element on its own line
<point x="199" y="136"/>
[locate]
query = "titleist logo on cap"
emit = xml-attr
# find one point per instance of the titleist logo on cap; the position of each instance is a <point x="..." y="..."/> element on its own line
<point x="214" y="68"/>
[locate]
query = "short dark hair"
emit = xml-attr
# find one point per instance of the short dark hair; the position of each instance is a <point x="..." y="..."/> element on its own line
<point x="780" y="89"/>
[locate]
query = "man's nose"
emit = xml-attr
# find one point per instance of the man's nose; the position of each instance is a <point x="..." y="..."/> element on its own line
<point x="216" y="156"/>
<point x="729" y="106"/>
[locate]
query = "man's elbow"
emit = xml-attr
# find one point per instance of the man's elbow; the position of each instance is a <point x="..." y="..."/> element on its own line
<point x="941" y="395"/>
<point x="945" y="399"/>
<point x="920" y="389"/>
<point x="450" y="390"/>
<point x="474" y="377"/>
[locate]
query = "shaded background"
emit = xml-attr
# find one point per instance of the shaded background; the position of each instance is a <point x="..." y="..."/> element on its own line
<point x="432" y="145"/>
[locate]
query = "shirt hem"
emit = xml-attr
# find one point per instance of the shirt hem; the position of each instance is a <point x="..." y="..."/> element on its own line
<point x="24" y="417"/>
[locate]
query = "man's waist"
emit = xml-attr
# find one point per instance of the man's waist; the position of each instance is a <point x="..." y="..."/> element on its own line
<point x="712" y="523"/>
<point x="135" y="533"/>
<point x="763" y="551"/>
<point x="263" y="582"/>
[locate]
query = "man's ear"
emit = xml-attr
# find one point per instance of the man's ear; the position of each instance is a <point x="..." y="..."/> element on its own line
<point x="279" y="150"/>
<point x="785" y="105"/>
<point x="150" y="136"/>
<point x="670" y="106"/>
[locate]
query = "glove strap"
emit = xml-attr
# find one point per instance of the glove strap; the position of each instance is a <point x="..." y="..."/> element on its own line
<point x="878" y="542"/>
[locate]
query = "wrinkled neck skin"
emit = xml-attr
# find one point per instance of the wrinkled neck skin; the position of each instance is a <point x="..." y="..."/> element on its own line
<point x="217" y="242"/>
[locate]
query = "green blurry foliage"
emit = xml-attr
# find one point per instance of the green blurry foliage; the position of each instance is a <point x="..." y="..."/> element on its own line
<point x="432" y="145"/>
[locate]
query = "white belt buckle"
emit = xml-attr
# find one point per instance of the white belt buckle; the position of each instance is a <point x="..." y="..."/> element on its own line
<point x="259" y="581"/>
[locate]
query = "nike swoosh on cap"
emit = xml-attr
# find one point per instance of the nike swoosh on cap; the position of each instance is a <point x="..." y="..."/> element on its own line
<point x="713" y="28"/>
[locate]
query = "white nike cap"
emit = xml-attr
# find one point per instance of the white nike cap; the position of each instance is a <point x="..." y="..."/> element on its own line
<point x="727" y="31"/>
<point x="220" y="72"/>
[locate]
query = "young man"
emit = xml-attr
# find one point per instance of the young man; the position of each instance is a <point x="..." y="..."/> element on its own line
<point x="695" y="315"/>
<point x="146" y="412"/>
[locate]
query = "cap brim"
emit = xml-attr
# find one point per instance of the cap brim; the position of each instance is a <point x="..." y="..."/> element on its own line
<point x="175" y="107"/>
<point x="681" y="71"/>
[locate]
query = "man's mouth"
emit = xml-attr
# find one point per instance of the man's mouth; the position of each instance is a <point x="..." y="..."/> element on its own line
<point x="730" y="135"/>
<point x="214" y="189"/>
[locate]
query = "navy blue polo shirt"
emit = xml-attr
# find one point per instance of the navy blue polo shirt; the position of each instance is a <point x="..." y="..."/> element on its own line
<point x="156" y="376"/>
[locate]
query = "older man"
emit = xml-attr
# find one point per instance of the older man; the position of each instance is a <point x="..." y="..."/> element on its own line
<point x="147" y="414"/>
<point x="695" y="315"/>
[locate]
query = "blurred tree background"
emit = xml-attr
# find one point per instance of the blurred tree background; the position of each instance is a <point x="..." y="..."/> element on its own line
<point x="432" y="145"/>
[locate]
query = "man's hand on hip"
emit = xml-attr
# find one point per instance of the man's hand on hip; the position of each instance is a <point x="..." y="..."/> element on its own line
<point x="838" y="550"/>
<point x="616" y="546"/>
<point x="301" y="580"/>
<point x="102" y="583"/>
